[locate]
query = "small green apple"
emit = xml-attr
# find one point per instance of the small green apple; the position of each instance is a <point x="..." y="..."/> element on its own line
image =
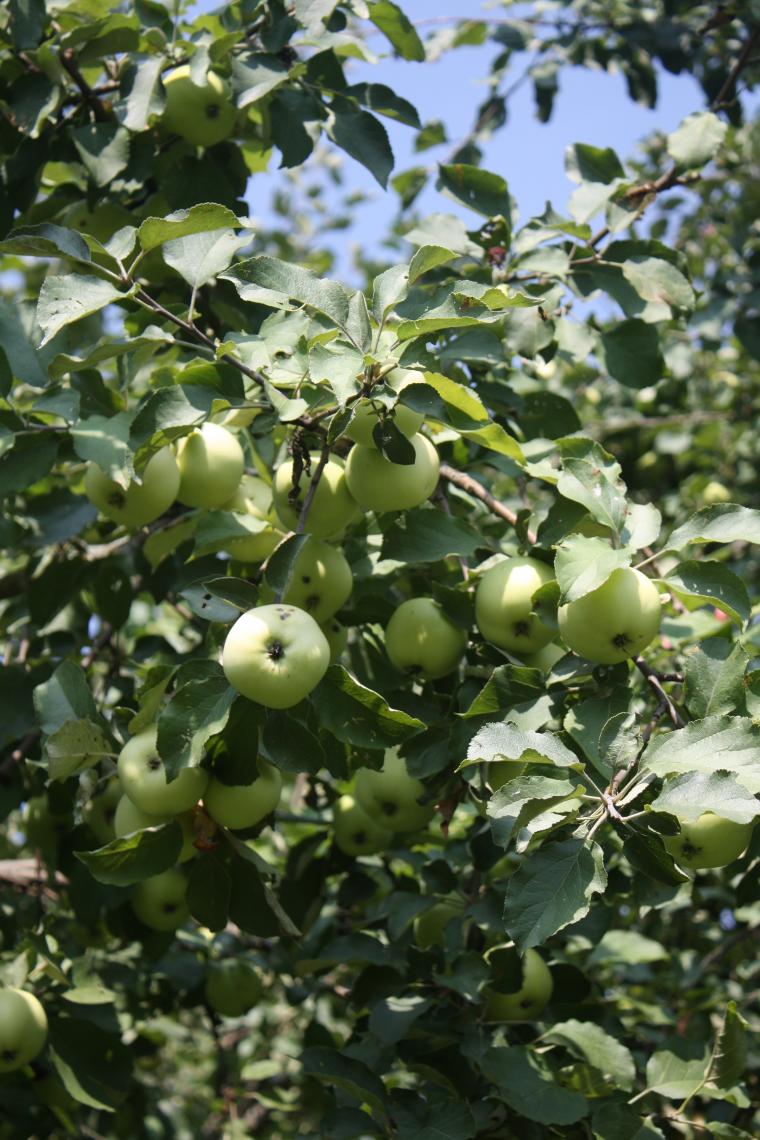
<point x="708" y="841"/>
<point x="23" y="1028"/>
<point x="420" y="639"/>
<point x="527" y="1001"/>
<point x="160" y="903"/>
<point x="429" y="926"/>
<point x="233" y="986"/>
<point x="614" y="622"/>
<point x="504" y="605"/>
<point x="253" y="497"/>
<point x="379" y="485"/>
<point x="100" y="812"/>
<point x="143" y="778"/>
<point x="204" y="114"/>
<point x="332" y="508"/>
<point x="139" y="503"/>
<point x="244" y="805"/>
<point x="337" y="638"/>
<point x="321" y="580"/>
<point x="365" y="415"/>
<point x="391" y="796"/>
<point x="275" y="655"/>
<point x="355" y="831"/>
<point x="129" y="818"/>
<point x="211" y="464"/>
<point x="714" y="492"/>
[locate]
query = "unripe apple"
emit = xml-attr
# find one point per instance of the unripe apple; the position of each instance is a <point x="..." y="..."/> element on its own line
<point x="233" y="986"/>
<point x="355" y="831"/>
<point x="708" y="841"/>
<point x="714" y="492"/>
<point x="365" y="416"/>
<point x="332" y="507"/>
<point x="23" y="1028"/>
<point x="527" y="1001"/>
<point x="429" y="926"/>
<point x="143" y="778"/>
<point x="211" y="465"/>
<point x="614" y="622"/>
<point x="504" y="605"/>
<point x="244" y="805"/>
<point x="204" y="115"/>
<point x="379" y="485"/>
<point x="139" y="503"/>
<point x="100" y="812"/>
<point x="391" y="795"/>
<point x="420" y="639"/>
<point x="129" y="818"/>
<point x="253" y="497"/>
<point x="275" y="655"/>
<point x="321" y="580"/>
<point x="337" y="638"/>
<point x="159" y="902"/>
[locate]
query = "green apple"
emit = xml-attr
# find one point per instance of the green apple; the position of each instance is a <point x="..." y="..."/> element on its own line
<point x="143" y="778"/>
<point x="129" y="818"/>
<point x="708" y="841"/>
<point x="354" y="829"/>
<point x="429" y="926"/>
<point x="337" y="638"/>
<point x="365" y="416"/>
<point x="275" y="655"/>
<point x="23" y="1028"/>
<point x="244" y="805"/>
<point x="714" y="492"/>
<point x="204" y="114"/>
<point x="160" y="903"/>
<point x="379" y="485"/>
<point x="233" y="986"/>
<point x="391" y="796"/>
<point x="211" y="465"/>
<point x="525" y="1003"/>
<point x="614" y="622"/>
<point x="139" y="503"/>
<point x="321" y="580"/>
<point x="253" y="497"/>
<point x="504" y="605"/>
<point x="332" y="508"/>
<point x="100" y="812"/>
<point x="420" y="639"/>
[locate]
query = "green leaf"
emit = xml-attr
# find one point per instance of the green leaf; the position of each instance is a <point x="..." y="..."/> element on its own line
<point x="527" y="1092"/>
<point x="199" y="258"/>
<point x="427" y="535"/>
<point x="329" y="1067"/>
<point x="274" y="282"/>
<point x="718" y="742"/>
<point x="591" y="476"/>
<point x="551" y="889"/>
<point x="144" y="97"/>
<point x="64" y="300"/>
<point x="714" y="677"/>
<point x="703" y="582"/>
<point x="588" y="1042"/>
<point x="290" y="746"/>
<point x="585" y="721"/>
<point x="584" y="564"/>
<point x="397" y="28"/>
<point x="103" y="149"/>
<point x="679" y="1070"/>
<point x="208" y="891"/>
<point x="105" y="440"/>
<point x="506" y="742"/>
<point x="46" y="240"/>
<point x="453" y="404"/>
<point x="655" y="279"/>
<point x="584" y="163"/>
<point x="132" y="858"/>
<point x="65" y="696"/>
<point x="508" y="685"/>
<point x="428" y="257"/>
<point x="439" y="1120"/>
<point x="255" y="75"/>
<point x="358" y="715"/>
<point x="393" y="1016"/>
<point x="483" y="192"/>
<point x="631" y="353"/>
<point x="384" y="101"/>
<point x="388" y="289"/>
<point x="363" y="137"/>
<point x="697" y="140"/>
<point x="29" y="460"/>
<point x="646" y="853"/>
<point x="730" y="1054"/>
<point x="520" y="800"/>
<point x="195" y="713"/>
<point x="280" y="567"/>
<point x="628" y="947"/>
<point x="93" y="1065"/>
<point x="692" y="794"/>
<point x="206" y="217"/>
<point x="75" y="746"/>
<point x="725" y="522"/>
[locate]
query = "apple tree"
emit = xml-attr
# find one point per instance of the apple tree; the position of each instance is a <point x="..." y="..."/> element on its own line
<point x="381" y="663"/>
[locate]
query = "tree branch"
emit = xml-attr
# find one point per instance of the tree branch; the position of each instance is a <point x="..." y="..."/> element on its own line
<point x="91" y="99"/>
<point x="312" y="489"/>
<point x="654" y="683"/>
<point x="478" y="491"/>
<point x="741" y="62"/>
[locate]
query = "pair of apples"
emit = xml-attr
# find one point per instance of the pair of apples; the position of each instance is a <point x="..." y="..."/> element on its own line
<point x="380" y="803"/>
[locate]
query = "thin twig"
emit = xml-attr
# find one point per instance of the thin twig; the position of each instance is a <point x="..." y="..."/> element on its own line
<point x="98" y="110"/>
<point x="312" y="489"/>
<point x="741" y="62"/>
<point x="654" y="683"/>
<point x="478" y="491"/>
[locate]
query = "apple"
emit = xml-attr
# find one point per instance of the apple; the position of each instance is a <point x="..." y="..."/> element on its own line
<point x="365" y="415"/>
<point x="379" y="485"/>
<point x="708" y="841"/>
<point x="23" y="1028"/>
<point x="337" y="638"/>
<point x="211" y="465"/>
<point x="253" y="497"/>
<point x="204" y="114"/>
<point x="321" y="580"/>
<point x="139" y="503"/>
<point x="143" y="778"/>
<point x="332" y="508"/>
<point x="275" y="655"/>
<point x="391" y="795"/>
<point x="355" y="831"/>
<point x="616" y="621"/>
<point x="233" y="986"/>
<point x="504" y="605"/>
<point x="100" y="812"/>
<point x="420" y="639"/>
<point x="129" y="818"/>
<point x="714" y="492"/>
<point x="244" y="805"/>
<point x="159" y="902"/>
<point x="505" y="1003"/>
<point x="429" y="926"/>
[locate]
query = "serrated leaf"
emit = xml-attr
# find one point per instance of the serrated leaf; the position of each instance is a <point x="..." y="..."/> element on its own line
<point x="507" y="806"/>
<point x="63" y="300"/>
<point x="646" y="853"/>
<point x="706" y="581"/>
<point x="582" y="565"/>
<point x="714" y="674"/>
<point x="588" y="1042"/>
<point x="551" y="889"/>
<point x="725" y="522"/>
<point x="678" y="1071"/>
<point x="205" y="217"/>
<point x="718" y="742"/>
<point x="730" y="1054"/>
<point x="93" y="1065"/>
<point x="75" y="746"/>
<point x="527" y="1092"/>
<point x="692" y="794"/>
<point x="195" y="713"/>
<point x="506" y="742"/>
<point x="397" y="29"/>
<point x="508" y="685"/>
<point x="46" y="240"/>
<point x="105" y="440"/>
<point x="199" y="258"/>
<point x="631" y="353"/>
<point x="132" y="858"/>
<point x="357" y="715"/>
<point x="281" y="281"/>
<point x="63" y="697"/>
<point x="628" y="947"/>
<point x="697" y="140"/>
<point x="591" y="476"/>
<point x="330" y="1067"/>
<point x="482" y="191"/>
<point x="364" y="138"/>
<point x="427" y="535"/>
